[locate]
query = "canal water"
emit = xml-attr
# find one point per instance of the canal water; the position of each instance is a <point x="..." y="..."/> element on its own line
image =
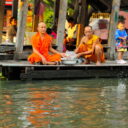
<point x="93" y="103"/>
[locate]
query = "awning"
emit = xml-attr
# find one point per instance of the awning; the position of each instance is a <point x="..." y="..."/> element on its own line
<point x="8" y="2"/>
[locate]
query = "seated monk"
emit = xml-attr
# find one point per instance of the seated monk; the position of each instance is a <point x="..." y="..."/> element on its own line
<point x="90" y="47"/>
<point x="41" y="43"/>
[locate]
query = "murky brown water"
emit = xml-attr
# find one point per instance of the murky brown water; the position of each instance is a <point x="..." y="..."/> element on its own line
<point x="94" y="103"/>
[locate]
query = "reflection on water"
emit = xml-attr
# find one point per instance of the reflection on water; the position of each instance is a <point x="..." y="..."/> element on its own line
<point x="95" y="103"/>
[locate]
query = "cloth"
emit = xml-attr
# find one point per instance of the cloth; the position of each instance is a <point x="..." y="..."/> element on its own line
<point x="72" y="32"/>
<point x="102" y="33"/>
<point x="42" y="46"/>
<point x="120" y="44"/>
<point x="94" y="24"/>
<point x="39" y="8"/>
<point x="54" y="35"/>
<point x="88" y="47"/>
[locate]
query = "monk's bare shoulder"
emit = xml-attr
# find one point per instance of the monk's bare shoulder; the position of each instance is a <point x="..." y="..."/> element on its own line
<point x="83" y="39"/>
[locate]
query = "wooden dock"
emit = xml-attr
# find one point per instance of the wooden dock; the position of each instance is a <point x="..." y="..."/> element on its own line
<point x="22" y="70"/>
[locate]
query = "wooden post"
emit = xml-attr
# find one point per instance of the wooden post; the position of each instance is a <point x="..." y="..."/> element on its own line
<point x="82" y="19"/>
<point x="35" y="17"/>
<point x="61" y="23"/>
<point x="76" y="12"/>
<point x="15" y="8"/>
<point x="56" y="11"/>
<point x="35" y="23"/>
<point x="80" y="33"/>
<point x="113" y="26"/>
<point x="2" y="5"/>
<point x="83" y="13"/>
<point x="22" y="14"/>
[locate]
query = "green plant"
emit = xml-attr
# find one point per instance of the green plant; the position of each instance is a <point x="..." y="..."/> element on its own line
<point x="48" y="17"/>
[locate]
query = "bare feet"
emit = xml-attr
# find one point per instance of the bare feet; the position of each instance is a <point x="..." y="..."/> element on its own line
<point x="98" y="63"/>
<point x="48" y="63"/>
<point x="86" y="62"/>
<point x="54" y="63"/>
<point x="51" y="63"/>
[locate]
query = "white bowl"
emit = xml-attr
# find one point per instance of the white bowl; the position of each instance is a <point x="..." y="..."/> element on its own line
<point x="69" y="62"/>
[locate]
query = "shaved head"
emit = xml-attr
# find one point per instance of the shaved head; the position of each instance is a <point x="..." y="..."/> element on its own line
<point x="88" y="28"/>
<point x="41" y="23"/>
<point x="88" y="31"/>
<point x="41" y="28"/>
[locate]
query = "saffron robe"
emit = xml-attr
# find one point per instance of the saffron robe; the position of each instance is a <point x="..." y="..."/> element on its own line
<point x="84" y="47"/>
<point x="42" y="46"/>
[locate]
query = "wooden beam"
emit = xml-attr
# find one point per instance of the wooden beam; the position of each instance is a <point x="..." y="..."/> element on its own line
<point x="35" y="17"/>
<point x="61" y="23"/>
<point x="113" y="26"/>
<point x="56" y="11"/>
<point x="82" y="19"/>
<point x="35" y="23"/>
<point x="83" y="13"/>
<point x="76" y="10"/>
<point x="15" y="8"/>
<point x="22" y="15"/>
<point x="80" y="33"/>
<point x="2" y="5"/>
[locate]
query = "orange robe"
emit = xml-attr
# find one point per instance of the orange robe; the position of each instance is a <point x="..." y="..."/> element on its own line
<point x="42" y="46"/>
<point x="88" y="47"/>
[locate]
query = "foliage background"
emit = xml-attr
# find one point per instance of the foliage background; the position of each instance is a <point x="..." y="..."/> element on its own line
<point x="49" y="11"/>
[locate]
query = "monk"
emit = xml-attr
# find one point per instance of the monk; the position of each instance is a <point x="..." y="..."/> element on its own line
<point x="90" y="47"/>
<point x="41" y="43"/>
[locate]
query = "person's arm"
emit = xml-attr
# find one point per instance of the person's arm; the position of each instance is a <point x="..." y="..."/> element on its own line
<point x="117" y="36"/>
<point x="125" y="35"/>
<point x="77" y="49"/>
<point x="55" y="51"/>
<point x="41" y="56"/>
<point x="83" y="40"/>
<point x="93" y="48"/>
<point x="84" y="53"/>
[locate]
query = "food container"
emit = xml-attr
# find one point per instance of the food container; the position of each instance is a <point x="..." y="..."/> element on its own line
<point x="69" y="62"/>
<point x="70" y="59"/>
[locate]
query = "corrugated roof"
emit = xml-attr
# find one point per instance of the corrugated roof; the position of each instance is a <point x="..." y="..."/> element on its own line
<point x="105" y="5"/>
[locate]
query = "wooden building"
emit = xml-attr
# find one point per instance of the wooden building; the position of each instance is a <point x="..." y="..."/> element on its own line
<point x="83" y="17"/>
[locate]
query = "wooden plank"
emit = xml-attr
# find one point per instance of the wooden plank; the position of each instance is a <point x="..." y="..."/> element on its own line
<point x="6" y="48"/>
<point x="11" y="63"/>
<point x="22" y="15"/>
<point x="23" y="70"/>
<point x="76" y="74"/>
<point x="61" y="23"/>
<point x="112" y="28"/>
<point x="6" y="56"/>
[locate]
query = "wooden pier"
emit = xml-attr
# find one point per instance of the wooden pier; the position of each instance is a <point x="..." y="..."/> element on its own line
<point x="22" y="70"/>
